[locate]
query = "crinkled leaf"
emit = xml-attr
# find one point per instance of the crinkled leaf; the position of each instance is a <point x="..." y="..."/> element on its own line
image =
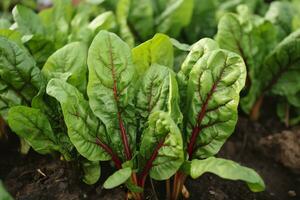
<point x="20" y="79"/>
<point x="92" y="171"/>
<point x="111" y="87"/>
<point x="157" y="50"/>
<point x="158" y="92"/>
<point x="72" y="59"/>
<point x="27" y="21"/>
<point x="118" y="178"/>
<point x="198" y="50"/>
<point x="212" y="99"/>
<point x="161" y="149"/>
<point x="226" y="169"/>
<point x="33" y="125"/>
<point x="84" y="129"/>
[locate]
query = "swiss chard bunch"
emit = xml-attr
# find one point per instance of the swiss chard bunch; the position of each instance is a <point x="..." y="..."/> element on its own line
<point x="135" y="115"/>
<point x="269" y="47"/>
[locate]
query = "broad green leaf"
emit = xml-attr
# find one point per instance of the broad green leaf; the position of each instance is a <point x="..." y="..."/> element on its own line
<point x="212" y="99"/>
<point x="92" y="171"/>
<point x="157" y="92"/>
<point x="111" y="87"/>
<point x="4" y="195"/>
<point x="40" y="48"/>
<point x="141" y="19"/>
<point x="20" y="79"/>
<point x="226" y="169"/>
<point x="72" y="59"/>
<point x="122" y="13"/>
<point x="27" y="21"/>
<point x="161" y="146"/>
<point x="118" y="178"/>
<point x="85" y="131"/>
<point x="176" y="15"/>
<point x="198" y="50"/>
<point x="157" y="50"/>
<point x="279" y="74"/>
<point x="33" y="125"/>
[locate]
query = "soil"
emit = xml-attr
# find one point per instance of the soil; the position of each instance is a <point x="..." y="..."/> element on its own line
<point x="36" y="177"/>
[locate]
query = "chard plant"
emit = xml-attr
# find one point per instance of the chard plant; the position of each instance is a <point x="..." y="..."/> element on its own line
<point x="269" y="47"/>
<point x="135" y="116"/>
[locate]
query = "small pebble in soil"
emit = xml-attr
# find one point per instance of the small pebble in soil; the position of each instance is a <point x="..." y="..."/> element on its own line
<point x="292" y="193"/>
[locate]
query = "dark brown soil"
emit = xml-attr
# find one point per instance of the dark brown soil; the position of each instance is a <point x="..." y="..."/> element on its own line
<point x="36" y="177"/>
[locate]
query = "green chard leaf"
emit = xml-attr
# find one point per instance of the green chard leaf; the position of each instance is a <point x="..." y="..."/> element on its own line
<point x="141" y="19"/>
<point x="86" y="132"/>
<point x="91" y="170"/>
<point x="157" y="50"/>
<point x="198" y="50"/>
<point x="158" y="92"/>
<point x="28" y="22"/>
<point x="111" y="89"/>
<point x="33" y="125"/>
<point x="122" y="13"/>
<point x="177" y="14"/>
<point x="226" y="169"/>
<point x="279" y="72"/>
<point x="20" y="79"/>
<point x="250" y="36"/>
<point x="161" y="149"/>
<point x="71" y="59"/>
<point x="212" y="99"/>
<point x="118" y="178"/>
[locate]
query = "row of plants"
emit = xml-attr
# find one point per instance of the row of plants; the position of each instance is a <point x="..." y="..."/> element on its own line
<point x="100" y="87"/>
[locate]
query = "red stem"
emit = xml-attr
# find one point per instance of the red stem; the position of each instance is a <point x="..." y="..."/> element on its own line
<point x="114" y="157"/>
<point x="116" y="97"/>
<point x="148" y="165"/>
<point x="196" y="129"/>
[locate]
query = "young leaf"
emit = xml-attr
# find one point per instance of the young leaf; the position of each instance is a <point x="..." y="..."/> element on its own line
<point x="111" y="89"/>
<point x="33" y="125"/>
<point x="27" y="21"/>
<point x="118" y="178"/>
<point x="161" y="148"/>
<point x="226" y="169"/>
<point x="84" y="129"/>
<point x="72" y="59"/>
<point x="155" y="93"/>
<point x="212" y="99"/>
<point x="157" y="50"/>
<point x="105" y="21"/>
<point x="92" y="171"/>
<point x="20" y="79"/>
